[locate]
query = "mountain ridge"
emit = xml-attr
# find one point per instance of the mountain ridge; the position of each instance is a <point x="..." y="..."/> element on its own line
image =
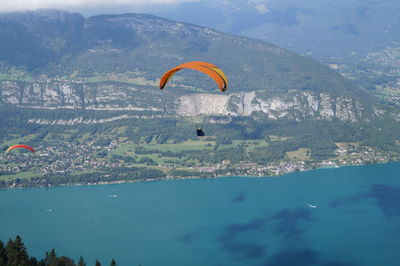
<point x="328" y="30"/>
<point x="85" y="91"/>
<point x="141" y="45"/>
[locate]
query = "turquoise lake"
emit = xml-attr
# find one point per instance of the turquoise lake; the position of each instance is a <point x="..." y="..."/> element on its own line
<point x="332" y="217"/>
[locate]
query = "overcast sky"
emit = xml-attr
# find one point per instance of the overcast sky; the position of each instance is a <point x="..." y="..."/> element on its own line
<point x="76" y="5"/>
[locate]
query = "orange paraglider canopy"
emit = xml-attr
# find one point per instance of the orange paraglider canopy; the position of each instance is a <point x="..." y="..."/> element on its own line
<point x="207" y="68"/>
<point x="20" y="146"/>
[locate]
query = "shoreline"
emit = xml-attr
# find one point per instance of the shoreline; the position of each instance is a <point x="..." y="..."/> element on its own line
<point x="168" y="178"/>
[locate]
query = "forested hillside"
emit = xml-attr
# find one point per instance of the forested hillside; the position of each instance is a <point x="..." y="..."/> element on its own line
<point x="84" y="92"/>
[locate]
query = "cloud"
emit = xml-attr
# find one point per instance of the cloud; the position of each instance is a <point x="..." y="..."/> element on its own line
<point x="22" y="5"/>
<point x="261" y="5"/>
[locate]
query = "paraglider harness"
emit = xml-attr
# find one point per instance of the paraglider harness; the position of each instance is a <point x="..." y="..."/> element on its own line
<point x="200" y="132"/>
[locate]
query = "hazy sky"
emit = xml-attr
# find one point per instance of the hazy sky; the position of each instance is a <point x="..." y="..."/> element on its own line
<point x="21" y="5"/>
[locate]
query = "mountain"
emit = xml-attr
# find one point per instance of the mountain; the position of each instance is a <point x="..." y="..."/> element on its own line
<point x="134" y="47"/>
<point x="84" y="92"/>
<point x="53" y="59"/>
<point x="360" y="39"/>
<point x="345" y="30"/>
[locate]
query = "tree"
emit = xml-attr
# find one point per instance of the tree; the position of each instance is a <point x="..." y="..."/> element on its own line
<point x="113" y="263"/>
<point x="33" y="262"/>
<point x="51" y="258"/>
<point x="3" y="254"/>
<point x="16" y="252"/>
<point x="65" y="261"/>
<point x="97" y="263"/>
<point x="81" y="262"/>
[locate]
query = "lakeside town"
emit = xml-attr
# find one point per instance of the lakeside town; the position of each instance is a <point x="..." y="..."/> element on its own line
<point x="68" y="159"/>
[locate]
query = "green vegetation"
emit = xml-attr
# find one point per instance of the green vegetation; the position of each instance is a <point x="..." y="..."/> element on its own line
<point x="148" y="141"/>
<point x="13" y="73"/>
<point x="300" y="154"/>
<point x="157" y="148"/>
<point x="129" y="78"/>
<point x="188" y="145"/>
<point x="95" y="50"/>
<point x="21" y="175"/>
<point x="14" y="253"/>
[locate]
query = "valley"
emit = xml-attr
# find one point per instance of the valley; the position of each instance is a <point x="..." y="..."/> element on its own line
<point x="87" y="98"/>
<point x="68" y="157"/>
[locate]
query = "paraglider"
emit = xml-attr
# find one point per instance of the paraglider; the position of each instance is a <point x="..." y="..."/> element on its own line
<point x="20" y="146"/>
<point x="207" y="68"/>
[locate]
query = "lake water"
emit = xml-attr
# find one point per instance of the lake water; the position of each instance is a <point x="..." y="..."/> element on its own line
<point x="342" y="217"/>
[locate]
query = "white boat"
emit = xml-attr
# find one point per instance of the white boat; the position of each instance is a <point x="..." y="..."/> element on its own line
<point x="312" y="206"/>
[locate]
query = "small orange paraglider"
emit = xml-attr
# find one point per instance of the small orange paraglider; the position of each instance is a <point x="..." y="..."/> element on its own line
<point x="20" y="146"/>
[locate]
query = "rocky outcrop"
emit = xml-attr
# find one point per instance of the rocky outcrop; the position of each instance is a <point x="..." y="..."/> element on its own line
<point x="53" y="94"/>
<point x="295" y="105"/>
<point x="203" y="104"/>
<point x="81" y="120"/>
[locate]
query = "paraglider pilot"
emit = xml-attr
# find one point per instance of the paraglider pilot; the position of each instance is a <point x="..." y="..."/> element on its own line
<point x="200" y="132"/>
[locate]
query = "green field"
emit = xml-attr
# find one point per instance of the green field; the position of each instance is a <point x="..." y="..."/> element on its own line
<point x="189" y="145"/>
<point x="22" y="175"/>
<point x="15" y="74"/>
<point x="129" y="78"/>
<point x="128" y="149"/>
<point x="18" y="140"/>
<point x="302" y="154"/>
<point x="249" y="144"/>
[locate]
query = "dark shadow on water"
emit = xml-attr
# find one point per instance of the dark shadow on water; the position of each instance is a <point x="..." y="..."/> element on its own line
<point x="289" y="221"/>
<point x="242" y="241"/>
<point x="254" y="225"/>
<point x="243" y="251"/>
<point x="302" y="257"/>
<point x="288" y="226"/>
<point x="239" y="198"/>
<point x="293" y="257"/>
<point x="188" y="238"/>
<point x="239" y="249"/>
<point x="387" y="198"/>
<point x="346" y="201"/>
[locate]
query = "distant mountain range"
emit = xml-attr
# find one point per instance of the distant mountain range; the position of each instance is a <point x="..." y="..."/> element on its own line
<point x="328" y="29"/>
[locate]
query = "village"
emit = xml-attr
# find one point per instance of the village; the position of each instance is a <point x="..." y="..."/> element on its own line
<point x="71" y="159"/>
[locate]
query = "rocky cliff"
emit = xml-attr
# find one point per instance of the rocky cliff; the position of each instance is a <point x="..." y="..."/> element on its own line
<point x="53" y="94"/>
<point x="295" y="105"/>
